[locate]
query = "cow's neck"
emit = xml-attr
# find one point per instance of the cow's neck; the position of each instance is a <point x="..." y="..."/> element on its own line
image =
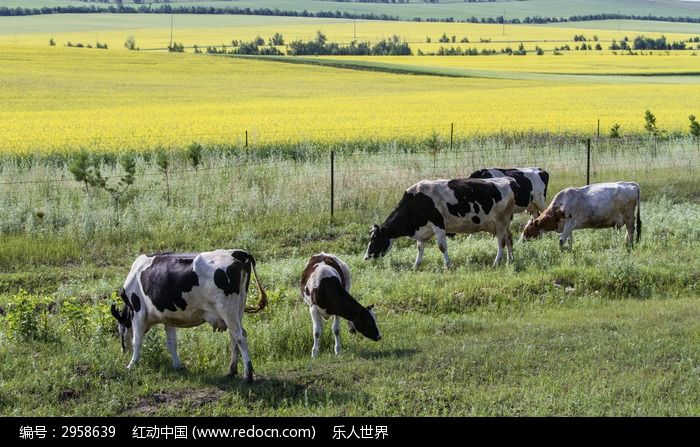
<point x="394" y="227"/>
<point x="349" y="308"/>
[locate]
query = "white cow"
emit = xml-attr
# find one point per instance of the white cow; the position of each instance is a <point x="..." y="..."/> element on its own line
<point x="325" y="287"/>
<point x="186" y="290"/>
<point x="530" y="187"/>
<point x="440" y="207"/>
<point x="600" y="205"/>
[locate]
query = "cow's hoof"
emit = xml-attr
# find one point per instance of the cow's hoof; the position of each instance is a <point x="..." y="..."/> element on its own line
<point x="249" y="379"/>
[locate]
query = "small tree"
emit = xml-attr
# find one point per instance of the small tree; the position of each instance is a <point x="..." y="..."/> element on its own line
<point x="650" y="123"/>
<point x="433" y="144"/>
<point x="164" y="167"/>
<point x="118" y="191"/>
<point x="615" y="131"/>
<point x="194" y="153"/>
<point x="130" y="43"/>
<point x="83" y="170"/>
<point x="695" y="130"/>
<point x="277" y="40"/>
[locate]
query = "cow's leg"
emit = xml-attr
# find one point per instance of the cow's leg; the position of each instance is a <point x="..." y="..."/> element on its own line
<point x="238" y="339"/>
<point x="137" y="342"/>
<point x="509" y="246"/>
<point x="336" y="334"/>
<point x="441" y="237"/>
<point x="567" y="233"/>
<point x="171" y="343"/>
<point x="421" y="249"/>
<point x="629" y="225"/>
<point x="317" y="329"/>
<point x="501" y="242"/>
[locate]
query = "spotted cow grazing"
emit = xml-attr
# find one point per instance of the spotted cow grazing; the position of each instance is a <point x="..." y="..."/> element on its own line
<point x="325" y="287"/>
<point x="438" y="207"/>
<point x="186" y="290"/>
<point x="530" y="187"/>
<point x="600" y="205"/>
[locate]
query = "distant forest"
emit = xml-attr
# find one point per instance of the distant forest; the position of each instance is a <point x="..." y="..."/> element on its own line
<point x="169" y="9"/>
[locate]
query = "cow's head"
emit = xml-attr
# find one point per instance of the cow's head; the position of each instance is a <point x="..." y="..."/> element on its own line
<point x="366" y="324"/>
<point x="547" y="221"/>
<point x="123" y="317"/>
<point x="379" y="243"/>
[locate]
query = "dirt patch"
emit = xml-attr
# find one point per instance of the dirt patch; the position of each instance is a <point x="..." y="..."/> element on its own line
<point x="154" y="403"/>
<point x="68" y="394"/>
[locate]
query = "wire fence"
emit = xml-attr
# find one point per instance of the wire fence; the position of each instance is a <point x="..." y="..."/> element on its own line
<point x="348" y="177"/>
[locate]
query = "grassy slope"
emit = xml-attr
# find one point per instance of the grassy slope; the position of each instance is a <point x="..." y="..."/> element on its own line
<point x="606" y="74"/>
<point x="457" y="10"/>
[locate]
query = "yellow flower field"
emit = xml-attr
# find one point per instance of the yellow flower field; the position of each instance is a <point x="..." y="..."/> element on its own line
<point x="61" y="99"/>
<point x="153" y="31"/>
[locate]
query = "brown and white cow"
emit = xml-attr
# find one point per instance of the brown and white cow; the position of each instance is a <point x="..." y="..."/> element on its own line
<point x="600" y="205"/>
<point x="530" y="187"/>
<point x="439" y="207"/>
<point x="181" y="290"/>
<point x="325" y="287"/>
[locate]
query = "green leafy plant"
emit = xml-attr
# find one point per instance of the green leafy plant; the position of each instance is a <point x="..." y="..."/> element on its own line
<point x="27" y="317"/>
<point x="74" y="317"/>
<point x="615" y="131"/>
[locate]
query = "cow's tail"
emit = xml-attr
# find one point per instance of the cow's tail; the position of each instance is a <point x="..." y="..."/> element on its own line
<point x="639" y="218"/>
<point x="263" y="296"/>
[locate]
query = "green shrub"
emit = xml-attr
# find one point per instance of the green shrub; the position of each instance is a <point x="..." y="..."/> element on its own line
<point x="27" y="317"/>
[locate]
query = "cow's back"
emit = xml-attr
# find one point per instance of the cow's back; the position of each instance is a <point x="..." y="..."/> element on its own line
<point x="599" y="204"/>
<point x="470" y="205"/>
<point x="224" y="271"/>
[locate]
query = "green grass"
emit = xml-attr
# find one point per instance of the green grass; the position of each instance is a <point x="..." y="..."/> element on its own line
<point x="596" y="331"/>
<point x="582" y="357"/>
<point x="681" y="77"/>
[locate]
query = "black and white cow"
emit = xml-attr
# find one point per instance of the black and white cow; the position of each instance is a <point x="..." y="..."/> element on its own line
<point x="186" y="290"/>
<point x="438" y="207"/>
<point x="325" y="287"/>
<point x="530" y="187"/>
<point x="600" y="205"/>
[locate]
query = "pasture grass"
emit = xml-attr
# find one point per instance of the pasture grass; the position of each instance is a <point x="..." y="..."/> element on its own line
<point x="598" y="330"/>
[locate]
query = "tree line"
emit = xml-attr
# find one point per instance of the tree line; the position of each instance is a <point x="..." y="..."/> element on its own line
<point x="235" y="10"/>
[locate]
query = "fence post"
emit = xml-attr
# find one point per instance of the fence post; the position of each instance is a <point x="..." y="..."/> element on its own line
<point x="246" y="139"/>
<point x="588" y="162"/>
<point x="332" y="182"/>
<point x="452" y="133"/>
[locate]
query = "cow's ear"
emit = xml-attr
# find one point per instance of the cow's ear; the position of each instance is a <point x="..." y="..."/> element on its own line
<point x="122" y="294"/>
<point x="374" y="229"/>
<point x="115" y="313"/>
<point x="370" y="307"/>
